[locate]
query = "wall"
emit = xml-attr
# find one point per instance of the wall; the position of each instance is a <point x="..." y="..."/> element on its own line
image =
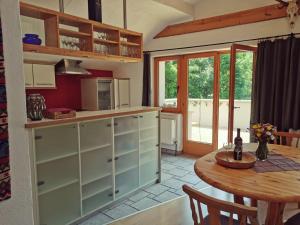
<point x="19" y="209"/>
<point x="68" y="90"/>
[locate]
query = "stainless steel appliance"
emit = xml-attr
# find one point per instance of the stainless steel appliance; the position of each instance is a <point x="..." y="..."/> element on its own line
<point x="105" y="93"/>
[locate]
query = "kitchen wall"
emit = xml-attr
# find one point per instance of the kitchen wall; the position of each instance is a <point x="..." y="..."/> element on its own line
<point x="19" y="209"/>
<point x="249" y="31"/>
<point x="68" y="90"/>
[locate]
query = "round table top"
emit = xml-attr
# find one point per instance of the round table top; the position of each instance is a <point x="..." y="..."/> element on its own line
<point x="270" y="186"/>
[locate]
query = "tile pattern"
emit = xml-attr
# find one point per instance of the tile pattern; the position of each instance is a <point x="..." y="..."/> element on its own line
<point x="176" y="171"/>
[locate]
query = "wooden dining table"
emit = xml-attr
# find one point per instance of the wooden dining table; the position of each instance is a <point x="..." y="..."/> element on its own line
<point x="276" y="188"/>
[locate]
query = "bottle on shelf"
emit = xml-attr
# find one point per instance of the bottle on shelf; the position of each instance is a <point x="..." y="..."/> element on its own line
<point x="238" y="149"/>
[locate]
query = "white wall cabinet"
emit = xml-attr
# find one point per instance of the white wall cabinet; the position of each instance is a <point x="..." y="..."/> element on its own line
<point x="82" y="167"/>
<point x="39" y="76"/>
<point x="122" y="93"/>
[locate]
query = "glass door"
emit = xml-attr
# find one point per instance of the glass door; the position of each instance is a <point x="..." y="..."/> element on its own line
<point x="200" y="102"/>
<point x="242" y="62"/>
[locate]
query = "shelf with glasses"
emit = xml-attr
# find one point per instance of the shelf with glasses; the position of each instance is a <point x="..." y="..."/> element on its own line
<point x="119" y="44"/>
<point x="102" y="41"/>
<point x="71" y="33"/>
<point x="129" y="43"/>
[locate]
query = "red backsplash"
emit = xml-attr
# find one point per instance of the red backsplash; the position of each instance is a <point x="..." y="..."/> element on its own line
<point x="68" y="92"/>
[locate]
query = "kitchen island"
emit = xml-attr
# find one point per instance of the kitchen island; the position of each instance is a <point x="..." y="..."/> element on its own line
<point x="82" y="164"/>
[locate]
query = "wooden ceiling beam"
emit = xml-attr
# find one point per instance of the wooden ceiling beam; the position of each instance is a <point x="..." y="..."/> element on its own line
<point x="233" y="19"/>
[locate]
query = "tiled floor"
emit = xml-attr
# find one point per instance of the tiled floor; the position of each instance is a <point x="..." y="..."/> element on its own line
<point x="176" y="171"/>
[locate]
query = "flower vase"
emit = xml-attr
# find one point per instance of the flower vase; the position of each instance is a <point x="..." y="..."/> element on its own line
<point x="262" y="150"/>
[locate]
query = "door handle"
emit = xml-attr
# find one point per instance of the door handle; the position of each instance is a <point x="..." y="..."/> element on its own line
<point x="236" y="107"/>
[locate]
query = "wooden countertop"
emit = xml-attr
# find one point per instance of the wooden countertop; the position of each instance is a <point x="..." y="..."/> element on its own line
<point x="91" y="115"/>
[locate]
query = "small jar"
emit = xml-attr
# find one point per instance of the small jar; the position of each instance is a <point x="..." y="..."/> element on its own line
<point x="35" y="106"/>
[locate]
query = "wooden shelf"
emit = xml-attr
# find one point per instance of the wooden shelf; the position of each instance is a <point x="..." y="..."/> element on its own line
<point x="83" y="29"/>
<point x="101" y="41"/>
<point x="127" y="43"/>
<point x="77" y="54"/>
<point x="71" y="33"/>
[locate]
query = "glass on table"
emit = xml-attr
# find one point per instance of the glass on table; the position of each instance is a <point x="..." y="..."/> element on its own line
<point x="227" y="146"/>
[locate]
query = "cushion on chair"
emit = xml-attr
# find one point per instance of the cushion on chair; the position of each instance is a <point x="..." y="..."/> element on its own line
<point x="295" y="220"/>
<point x="224" y="220"/>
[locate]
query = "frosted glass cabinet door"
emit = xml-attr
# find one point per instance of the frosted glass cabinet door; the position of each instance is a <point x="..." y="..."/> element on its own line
<point x="95" y="134"/>
<point x="127" y="173"/>
<point x="125" y="124"/>
<point x="53" y="142"/>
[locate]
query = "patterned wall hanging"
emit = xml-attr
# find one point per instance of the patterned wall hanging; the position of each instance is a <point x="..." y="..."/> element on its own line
<point x="5" y="191"/>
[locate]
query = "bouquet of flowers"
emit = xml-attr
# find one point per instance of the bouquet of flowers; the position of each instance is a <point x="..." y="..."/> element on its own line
<point x="263" y="132"/>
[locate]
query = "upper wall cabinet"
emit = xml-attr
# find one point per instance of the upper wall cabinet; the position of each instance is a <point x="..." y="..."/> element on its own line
<point x="39" y="76"/>
<point x="69" y="35"/>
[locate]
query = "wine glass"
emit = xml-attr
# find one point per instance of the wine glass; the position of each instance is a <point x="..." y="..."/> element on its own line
<point x="227" y="146"/>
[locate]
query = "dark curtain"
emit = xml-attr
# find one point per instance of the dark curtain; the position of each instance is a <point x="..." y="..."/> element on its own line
<point x="276" y="84"/>
<point x="146" y="101"/>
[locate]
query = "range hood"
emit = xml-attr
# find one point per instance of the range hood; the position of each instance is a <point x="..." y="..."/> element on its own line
<point x="70" y="67"/>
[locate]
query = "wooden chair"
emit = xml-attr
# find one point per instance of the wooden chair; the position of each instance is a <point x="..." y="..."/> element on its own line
<point x="295" y="220"/>
<point x="215" y="207"/>
<point x="286" y="138"/>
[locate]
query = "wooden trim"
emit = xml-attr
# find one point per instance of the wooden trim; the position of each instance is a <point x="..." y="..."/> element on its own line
<point x="228" y="20"/>
<point x="52" y="20"/>
<point x="191" y="147"/>
<point x="233" y="51"/>
<point x="75" y="53"/>
<point x="156" y="82"/>
<point x="80" y="118"/>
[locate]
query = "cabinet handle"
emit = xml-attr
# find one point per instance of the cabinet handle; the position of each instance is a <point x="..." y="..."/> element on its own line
<point x="157" y="172"/>
<point x="38" y="137"/>
<point x="117" y="191"/>
<point x="40" y="183"/>
<point x="157" y="145"/>
<point x="111" y="194"/>
<point x="157" y="117"/>
<point x="108" y="125"/>
<point x="109" y="160"/>
<point x="135" y="117"/>
<point x="116" y="158"/>
<point x="141" y="116"/>
<point x="124" y="104"/>
<point x="44" y="84"/>
<point x="116" y="124"/>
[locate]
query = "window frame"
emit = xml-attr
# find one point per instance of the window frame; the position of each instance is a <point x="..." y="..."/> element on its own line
<point x="157" y="60"/>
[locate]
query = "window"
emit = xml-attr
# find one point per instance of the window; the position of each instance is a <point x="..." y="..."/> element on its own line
<point x="167" y="83"/>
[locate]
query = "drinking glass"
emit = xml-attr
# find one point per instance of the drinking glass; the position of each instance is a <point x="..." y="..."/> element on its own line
<point x="227" y="146"/>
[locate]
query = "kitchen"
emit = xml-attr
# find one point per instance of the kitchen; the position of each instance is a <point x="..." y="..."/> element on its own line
<point x="89" y="146"/>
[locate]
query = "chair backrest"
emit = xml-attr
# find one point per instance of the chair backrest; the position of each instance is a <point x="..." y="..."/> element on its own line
<point x="215" y="207"/>
<point x="286" y="138"/>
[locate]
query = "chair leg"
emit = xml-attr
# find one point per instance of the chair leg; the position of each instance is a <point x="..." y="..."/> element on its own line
<point x="275" y="213"/>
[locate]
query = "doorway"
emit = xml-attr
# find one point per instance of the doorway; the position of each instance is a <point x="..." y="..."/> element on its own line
<point x="213" y="92"/>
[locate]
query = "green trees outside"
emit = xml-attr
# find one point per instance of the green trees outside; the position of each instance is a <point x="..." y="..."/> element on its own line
<point x="201" y="77"/>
